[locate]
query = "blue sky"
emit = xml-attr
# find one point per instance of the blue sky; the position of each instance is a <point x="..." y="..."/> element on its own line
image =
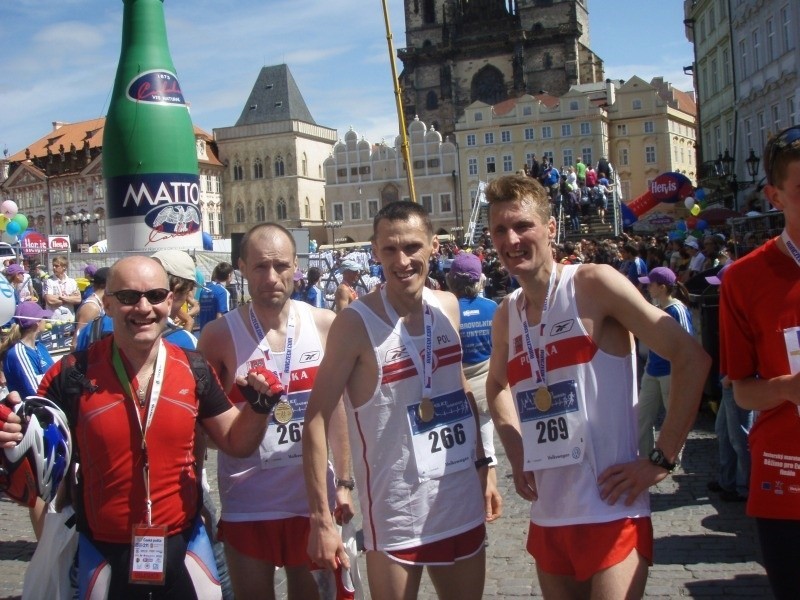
<point x="59" y="57"/>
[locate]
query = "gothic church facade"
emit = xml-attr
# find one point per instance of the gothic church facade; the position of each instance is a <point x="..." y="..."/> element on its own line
<point x="460" y="51"/>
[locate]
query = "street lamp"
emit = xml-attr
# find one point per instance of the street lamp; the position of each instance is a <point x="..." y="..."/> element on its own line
<point x="752" y="163"/>
<point x="332" y="226"/>
<point x="82" y="219"/>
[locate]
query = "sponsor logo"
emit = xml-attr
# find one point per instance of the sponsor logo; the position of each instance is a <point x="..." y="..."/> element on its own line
<point x="59" y="243"/>
<point x="174" y="219"/>
<point x="395" y="354"/>
<point x="562" y="327"/>
<point x="309" y="356"/>
<point x="156" y="87"/>
<point x="794" y="488"/>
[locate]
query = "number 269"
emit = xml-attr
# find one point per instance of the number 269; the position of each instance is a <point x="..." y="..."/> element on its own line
<point x="552" y="429"/>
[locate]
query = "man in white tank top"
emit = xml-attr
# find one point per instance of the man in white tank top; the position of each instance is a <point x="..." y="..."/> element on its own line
<point x="264" y="522"/>
<point x="561" y="390"/>
<point x="420" y="468"/>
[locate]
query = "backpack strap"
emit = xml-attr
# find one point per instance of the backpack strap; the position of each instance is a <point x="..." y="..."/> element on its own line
<point x="72" y="384"/>
<point x="200" y="369"/>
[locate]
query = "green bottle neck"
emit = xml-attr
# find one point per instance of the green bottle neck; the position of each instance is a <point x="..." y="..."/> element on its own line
<point x="144" y="35"/>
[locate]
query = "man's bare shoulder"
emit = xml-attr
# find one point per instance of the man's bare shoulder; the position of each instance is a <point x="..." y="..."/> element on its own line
<point x="322" y="317"/>
<point x="218" y="328"/>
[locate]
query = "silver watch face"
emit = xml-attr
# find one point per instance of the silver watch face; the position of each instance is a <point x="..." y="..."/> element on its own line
<point x="656" y="456"/>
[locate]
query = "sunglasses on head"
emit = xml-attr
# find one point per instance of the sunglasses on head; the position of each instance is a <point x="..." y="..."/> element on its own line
<point x="788" y="138"/>
<point x="132" y="297"/>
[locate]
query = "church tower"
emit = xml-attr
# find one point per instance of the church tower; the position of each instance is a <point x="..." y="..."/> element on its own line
<point x="460" y="51"/>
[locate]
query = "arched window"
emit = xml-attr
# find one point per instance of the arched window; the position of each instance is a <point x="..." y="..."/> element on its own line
<point x="307" y="209"/>
<point x="240" y="213"/>
<point x="279" y="169"/>
<point x="488" y="85"/>
<point x="261" y="213"/>
<point x="258" y="169"/>
<point x="281" y="209"/>
<point x="304" y="165"/>
<point x="238" y="172"/>
<point x="432" y="101"/>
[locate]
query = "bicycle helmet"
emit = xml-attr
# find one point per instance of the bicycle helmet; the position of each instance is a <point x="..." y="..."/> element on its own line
<point x="37" y="465"/>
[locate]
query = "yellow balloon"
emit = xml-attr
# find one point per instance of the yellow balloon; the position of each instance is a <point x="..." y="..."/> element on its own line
<point x="3" y="222"/>
<point x="695" y="210"/>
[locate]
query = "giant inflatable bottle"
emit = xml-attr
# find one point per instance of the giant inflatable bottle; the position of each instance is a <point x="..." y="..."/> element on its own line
<point x="149" y="153"/>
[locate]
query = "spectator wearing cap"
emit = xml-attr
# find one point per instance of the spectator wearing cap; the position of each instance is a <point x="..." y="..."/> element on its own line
<point x="21" y="282"/>
<point x="215" y="299"/>
<point x="92" y="307"/>
<point x="298" y="281"/>
<point x="346" y="292"/>
<point x="25" y="361"/>
<point x="671" y="296"/>
<point x="181" y="271"/>
<point x="696" y="258"/>
<point x="463" y="279"/>
<point x="732" y="427"/>
<point x="88" y="273"/>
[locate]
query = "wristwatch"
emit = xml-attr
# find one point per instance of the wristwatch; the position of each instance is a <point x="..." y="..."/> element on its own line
<point x="657" y="457"/>
<point x="347" y="484"/>
<point x="483" y="462"/>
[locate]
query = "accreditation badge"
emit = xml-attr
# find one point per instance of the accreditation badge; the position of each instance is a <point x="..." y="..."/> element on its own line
<point x="148" y="554"/>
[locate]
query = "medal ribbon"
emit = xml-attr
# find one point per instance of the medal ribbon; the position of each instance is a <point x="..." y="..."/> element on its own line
<point x="155" y="393"/>
<point x="426" y="368"/>
<point x="285" y="374"/>
<point x="538" y="365"/>
<point x="790" y="245"/>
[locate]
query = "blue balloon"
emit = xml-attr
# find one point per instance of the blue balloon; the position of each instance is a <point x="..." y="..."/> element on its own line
<point x="681" y="225"/>
<point x="208" y="241"/>
<point x="13" y="228"/>
<point x="699" y="193"/>
<point x="701" y="225"/>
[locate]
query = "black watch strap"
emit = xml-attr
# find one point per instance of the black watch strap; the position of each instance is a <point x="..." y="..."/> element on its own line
<point x="657" y="457"/>
<point x="347" y="484"/>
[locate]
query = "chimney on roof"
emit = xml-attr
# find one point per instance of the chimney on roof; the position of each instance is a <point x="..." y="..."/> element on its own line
<point x="58" y="125"/>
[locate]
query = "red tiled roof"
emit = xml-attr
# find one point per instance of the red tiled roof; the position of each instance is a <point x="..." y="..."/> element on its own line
<point x="91" y="131"/>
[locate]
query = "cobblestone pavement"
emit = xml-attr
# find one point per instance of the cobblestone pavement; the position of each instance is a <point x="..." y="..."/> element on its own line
<point x="704" y="548"/>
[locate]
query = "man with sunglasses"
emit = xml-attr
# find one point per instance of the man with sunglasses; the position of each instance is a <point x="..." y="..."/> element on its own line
<point x="265" y="512"/>
<point x="136" y="411"/>
<point x="760" y="352"/>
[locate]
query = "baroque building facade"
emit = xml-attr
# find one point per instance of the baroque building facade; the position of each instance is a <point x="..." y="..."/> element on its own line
<point x="644" y="129"/>
<point x="745" y="66"/>
<point x="57" y="182"/>
<point x="273" y="157"/>
<point x="361" y="178"/>
<point x="461" y="51"/>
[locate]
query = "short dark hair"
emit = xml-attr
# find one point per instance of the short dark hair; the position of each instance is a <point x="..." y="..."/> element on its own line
<point x="257" y="229"/>
<point x="222" y="271"/>
<point x="313" y="275"/>
<point x="402" y="210"/>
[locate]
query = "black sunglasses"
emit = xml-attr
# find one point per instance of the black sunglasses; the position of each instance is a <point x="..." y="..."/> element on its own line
<point x="132" y="297"/>
<point x="788" y="138"/>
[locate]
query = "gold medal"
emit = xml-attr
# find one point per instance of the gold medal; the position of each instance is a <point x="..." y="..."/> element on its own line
<point x="543" y="399"/>
<point x="426" y="411"/>
<point x="283" y="412"/>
